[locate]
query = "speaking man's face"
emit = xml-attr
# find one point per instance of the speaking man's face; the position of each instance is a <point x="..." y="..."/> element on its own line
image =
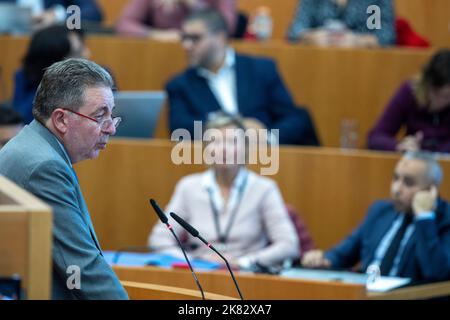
<point x="86" y="137"/>
<point x="409" y="178"/>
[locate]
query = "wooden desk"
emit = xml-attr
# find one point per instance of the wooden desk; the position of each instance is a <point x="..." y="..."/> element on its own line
<point x="331" y="188"/>
<point x="25" y="240"/>
<point x="334" y="84"/>
<point x="426" y="291"/>
<point x="261" y="287"/>
<point x="147" y="291"/>
<point x="253" y="287"/>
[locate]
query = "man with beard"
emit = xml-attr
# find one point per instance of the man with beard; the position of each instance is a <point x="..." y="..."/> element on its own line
<point x="219" y="79"/>
<point x="407" y="236"/>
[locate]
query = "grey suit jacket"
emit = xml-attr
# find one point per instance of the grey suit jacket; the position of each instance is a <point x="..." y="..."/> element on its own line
<point x="38" y="162"/>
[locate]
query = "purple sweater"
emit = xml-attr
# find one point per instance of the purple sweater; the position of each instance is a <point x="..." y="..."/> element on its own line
<point x="404" y="110"/>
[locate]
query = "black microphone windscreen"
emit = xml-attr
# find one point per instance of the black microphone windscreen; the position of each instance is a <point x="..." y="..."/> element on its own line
<point x="159" y="212"/>
<point x="185" y="225"/>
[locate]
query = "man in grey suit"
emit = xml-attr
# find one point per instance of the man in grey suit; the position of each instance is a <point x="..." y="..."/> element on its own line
<point x="73" y="121"/>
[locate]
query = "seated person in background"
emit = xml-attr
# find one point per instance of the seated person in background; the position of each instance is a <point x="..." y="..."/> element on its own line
<point x="161" y="19"/>
<point x="220" y="79"/>
<point x="422" y="106"/>
<point x="49" y="12"/>
<point x="342" y="23"/>
<point x="10" y="124"/>
<point x="47" y="46"/>
<point x="238" y="211"/>
<point x="408" y="236"/>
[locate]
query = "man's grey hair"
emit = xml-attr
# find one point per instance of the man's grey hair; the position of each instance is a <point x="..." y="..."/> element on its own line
<point x="434" y="170"/>
<point x="64" y="83"/>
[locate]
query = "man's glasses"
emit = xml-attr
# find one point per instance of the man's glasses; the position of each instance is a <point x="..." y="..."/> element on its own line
<point x="194" y="37"/>
<point x="104" y="124"/>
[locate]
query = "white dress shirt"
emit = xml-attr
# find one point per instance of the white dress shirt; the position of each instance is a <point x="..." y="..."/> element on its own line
<point x="223" y="83"/>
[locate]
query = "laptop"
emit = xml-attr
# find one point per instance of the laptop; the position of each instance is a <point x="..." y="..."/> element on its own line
<point x="10" y="288"/>
<point x="140" y="112"/>
<point x="15" y="19"/>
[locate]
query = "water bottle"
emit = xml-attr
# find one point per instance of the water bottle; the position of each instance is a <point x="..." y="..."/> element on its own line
<point x="349" y="134"/>
<point x="262" y="23"/>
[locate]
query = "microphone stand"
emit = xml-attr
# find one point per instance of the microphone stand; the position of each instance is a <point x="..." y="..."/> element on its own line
<point x="194" y="232"/>
<point x="162" y="216"/>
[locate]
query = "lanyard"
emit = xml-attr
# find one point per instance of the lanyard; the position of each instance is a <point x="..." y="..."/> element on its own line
<point x="223" y="237"/>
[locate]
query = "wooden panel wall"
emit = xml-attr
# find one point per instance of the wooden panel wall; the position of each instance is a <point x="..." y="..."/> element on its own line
<point x="253" y="287"/>
<point x="25" y="240"/>
<point x="335" y="84"/>
<point x="429" y="18"/>
<point x="331" y="188"/>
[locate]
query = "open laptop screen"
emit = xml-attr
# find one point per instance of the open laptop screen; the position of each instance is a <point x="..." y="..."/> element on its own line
<point x="140" y="112"/>
<point x="10" y="288"/>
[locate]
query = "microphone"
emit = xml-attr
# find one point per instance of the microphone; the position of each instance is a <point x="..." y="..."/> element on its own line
<point x="194" y="232"/>
<point x="162" y="216"/>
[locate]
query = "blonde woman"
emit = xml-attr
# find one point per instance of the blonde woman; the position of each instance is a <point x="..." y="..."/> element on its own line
<point x="242" y="213"/>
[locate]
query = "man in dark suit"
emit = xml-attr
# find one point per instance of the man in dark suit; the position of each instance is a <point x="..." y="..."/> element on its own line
<point x="407" y="236"/>
<point x="220" y="79"/>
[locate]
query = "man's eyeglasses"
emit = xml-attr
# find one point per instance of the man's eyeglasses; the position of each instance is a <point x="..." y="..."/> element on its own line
<point x="194" y="37"/>
<point x="104" y="124"/>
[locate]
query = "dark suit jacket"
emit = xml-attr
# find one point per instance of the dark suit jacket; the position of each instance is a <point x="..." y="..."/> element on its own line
<point x="427" y="253"/>
<point x="89" y="8"/>
<point x="261" y="94"/>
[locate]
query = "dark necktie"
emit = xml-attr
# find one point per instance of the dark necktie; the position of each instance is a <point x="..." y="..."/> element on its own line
<point x="392" y="251"/>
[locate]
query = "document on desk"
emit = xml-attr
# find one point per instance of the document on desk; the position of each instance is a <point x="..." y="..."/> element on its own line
<point x="325" y="275"/>
<point x="153" y="259"/>
<point x="382" y="284"/>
